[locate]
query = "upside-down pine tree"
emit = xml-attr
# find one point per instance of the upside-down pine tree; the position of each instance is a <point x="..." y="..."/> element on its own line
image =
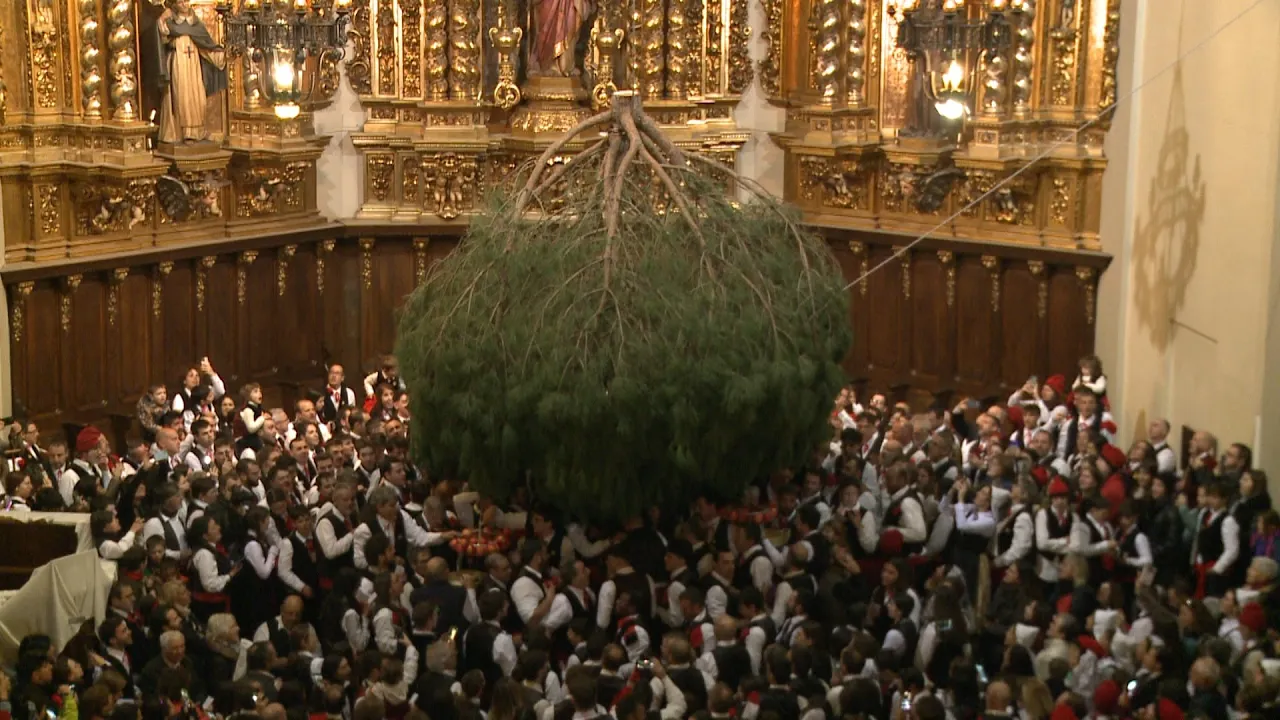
<point x="618" y="332"/>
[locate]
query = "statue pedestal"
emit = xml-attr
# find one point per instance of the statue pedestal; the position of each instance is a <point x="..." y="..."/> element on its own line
<point x="553" y="105"/>
<point x="996" y="139"/>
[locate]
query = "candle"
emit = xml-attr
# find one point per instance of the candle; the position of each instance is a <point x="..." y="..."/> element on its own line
<point x="997" y="4"/>
<point x="300" y="5"/>
<point x="949" y="6"/>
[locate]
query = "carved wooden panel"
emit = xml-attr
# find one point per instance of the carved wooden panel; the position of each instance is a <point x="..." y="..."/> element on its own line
<point x="956" y="317"/>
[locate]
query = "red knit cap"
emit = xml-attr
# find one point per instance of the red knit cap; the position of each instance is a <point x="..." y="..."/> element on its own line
<point x="1167" y="709"/>
<point x="1253" y="617"/>
<point x="1107" y="697"/>
<point x="891" y="542"/>
<point x="1058" y="486"/>
<point x="1040" y="474"/>
<point x="88" y="439"/>
<point x="1058" y="383"/>
<point x="1063" y="712"/>
<point x="1113" y="455"/>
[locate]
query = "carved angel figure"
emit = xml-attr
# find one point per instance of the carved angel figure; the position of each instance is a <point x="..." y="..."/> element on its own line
<point x="195" y="198"/>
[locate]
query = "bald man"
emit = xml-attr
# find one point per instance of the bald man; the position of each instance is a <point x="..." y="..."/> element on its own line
<point x="451" y="599"/>
<point x="276" y="630"/>
<point x="729" y="662"/>
<point x="999" y="698"/>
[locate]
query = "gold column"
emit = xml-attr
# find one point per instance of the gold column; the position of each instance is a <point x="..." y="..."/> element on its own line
<point x="123" y="69"/>
<point x="1024" y="59"/>
<point x="857" y="55"/>
<point x="411" y="46"/>
<point x="824" y="50"/>
<point x="437" y="51"/>
<point x="677" y="51"/>
<point x="90" y="61"/>
<point x="465" y="40"/>
<point x="43" y="74"/>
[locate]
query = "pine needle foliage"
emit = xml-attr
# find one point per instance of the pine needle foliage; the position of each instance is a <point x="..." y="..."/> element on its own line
<point x="618" y="347"/>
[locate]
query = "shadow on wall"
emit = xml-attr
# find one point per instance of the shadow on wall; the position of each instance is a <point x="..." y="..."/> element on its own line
<point x="1166" y="242"/>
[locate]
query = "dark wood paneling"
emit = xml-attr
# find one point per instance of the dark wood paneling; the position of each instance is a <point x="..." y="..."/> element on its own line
<point x="976" y="359"/>
<point x="1020" y="326"/>
<point x="931" y="321"/>
<point x="936" y="333"/>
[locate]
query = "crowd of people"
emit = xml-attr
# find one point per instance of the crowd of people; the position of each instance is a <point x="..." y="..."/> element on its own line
<point x="986" y="560"/>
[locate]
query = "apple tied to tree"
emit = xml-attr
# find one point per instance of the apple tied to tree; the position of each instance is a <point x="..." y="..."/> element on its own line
<point x="481" y="543"/>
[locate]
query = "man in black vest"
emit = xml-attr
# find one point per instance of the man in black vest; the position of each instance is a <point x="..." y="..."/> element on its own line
<point x="754" y="568"/>
<point x="336" y="395"/>
<point x="779" y="698"/>
<point x="677" y="656"/>
<point x="276" y="630"/>
<point x="1216" y="547"/>
<point x="335" y="532"/>
<point x="729" y="662"/>
<point x="758" y="630"/>
<point x="574" y="601"/>
<point x="169" y="523"/>
<point x="680" y="576"/>
<point x="449" y="598"/>
<point x="529" y="589"/>
<point x="486" y="647"/>
<point x="624" y="579"/>
<point x="297" y="565"/>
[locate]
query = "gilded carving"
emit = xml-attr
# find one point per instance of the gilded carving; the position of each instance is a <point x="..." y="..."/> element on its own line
<point x="420" y="259"/>
<point x="386" y="29"/>
<point x="834" y="183"/>
<point x="449" y="182"/>
<point x="859" y="251"/>
<point x="906" y="188"/>
<point x="322" y="251"/>
<point x="770" y="68"/>
<point x="190" y="196"/>
<point x="677" y="36"/>
<point x="283" y="256"/>
<point x="740" y="67"/>
<point x="409" y="177"/>
<point x="243" y="261"/>
<point x="366" y="262"/>
<point x="948" y="260"/>
<point x="18" y="309"/>
<point x="157" y="287"/>
<point x="437" y="51"/>
<point x="608" y="43"/>
<point x="824" y="49"/>
<point x="1086" y="276"/>
<point x="265" y="190"/>
<point x="992" y="264"/>
<point x="904" y="254"/>
<point x="358" y="65"/>
<point x="464" y="57"/>
<point x="1061" y="201"/>
<point x="506" y="41"/>
<point x="381" y="169"/>
<point x="1042" y="287"/>
<point x="114" y="280"/>
<point x="202" y="275"/>
<point x="1062" y="74"/>
<point x="65" y="300"/>
<point x="44" y="53"/>
<point x="411" y="54"/>
<point x="1111" y="55"/>
<point x="856" y="77"/>
<point x="646" y="43"/>
<point x="50" y="209"/>
<point x="1015" y="204"/>
<point x="90" y="61"/>
<point x="1024" y="59"/>
<point x="124" y="80"/>
<point x="4" y="91"/>
<point x="714" y="52"/>
<point x="977" y="183"/>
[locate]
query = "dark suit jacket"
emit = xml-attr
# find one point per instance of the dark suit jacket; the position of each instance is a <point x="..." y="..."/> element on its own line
<point x="450" y="598"/>
<point x="150" y="676"/>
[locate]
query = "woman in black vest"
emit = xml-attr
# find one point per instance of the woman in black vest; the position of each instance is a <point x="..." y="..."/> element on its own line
<point x="257" y="592"/>
<point x="250" y="420"/>
<point x="211" y="569"/>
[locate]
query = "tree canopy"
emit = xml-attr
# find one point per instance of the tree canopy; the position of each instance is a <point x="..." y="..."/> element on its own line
<point x="620" y="333"/>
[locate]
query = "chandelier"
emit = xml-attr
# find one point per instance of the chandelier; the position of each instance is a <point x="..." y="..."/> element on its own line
<point x="280" y="37"/>
<point x="939" y="33"/>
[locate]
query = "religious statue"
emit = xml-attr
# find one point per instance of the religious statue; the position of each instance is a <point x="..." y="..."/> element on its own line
<point x="557" y="24"/>
<point x="192" y="70"/>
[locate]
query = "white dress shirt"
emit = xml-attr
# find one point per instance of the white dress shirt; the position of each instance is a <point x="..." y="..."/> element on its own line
<point x="527" y="593"/>
<point x="413" y="533"/>
<point x="609" y="596"/>
<point x="717" y="599"/>
<point x="155" y="526"/>
<point x="561" y="611"/>
<point x="1023" y="534"/>
<point x="114" y="549"/>
<point x="284" y="565"/>
<point x="207" y="566"/>
<point x="262" y="564"/>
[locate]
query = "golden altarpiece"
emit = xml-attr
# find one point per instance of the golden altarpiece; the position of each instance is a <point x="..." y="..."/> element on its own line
<point x="454" y="99"/>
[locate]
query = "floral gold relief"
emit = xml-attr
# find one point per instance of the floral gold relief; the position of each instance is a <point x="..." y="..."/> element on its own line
<point x="771" y="65"/>
<point x="411" y="47"/>
<point x="50" y="208"/>
<point x="44" y="52"/>
<point x="992" y="264"/>
<point x="1087" y="278"/>
<point x="66" y="300"/>
<point x="948" y="260"/>
<point x="366" y="262"/>
<point x="386" y="36"/>
<point x="740" y="68"/>
<point x="677" y="49"/>
<point x="17" y="310"/>
<point x="859" y="251"/>
<point x="202" y="276"/>
<point x="245" y="259"/>
<point x="1042" y="287"/>
<point x="359" y="70"/>
<point x="114" y="280"/>
<point x="1111" y="54"/>
<point x="157" y="287"/>
<point x="323" y="250"/>
<point x="381" y="169"/>
<point x="283" y="257"/>
<point x="714" y="53"/>
<point x="465" y="60"/>
<point x="420" y="259"/>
